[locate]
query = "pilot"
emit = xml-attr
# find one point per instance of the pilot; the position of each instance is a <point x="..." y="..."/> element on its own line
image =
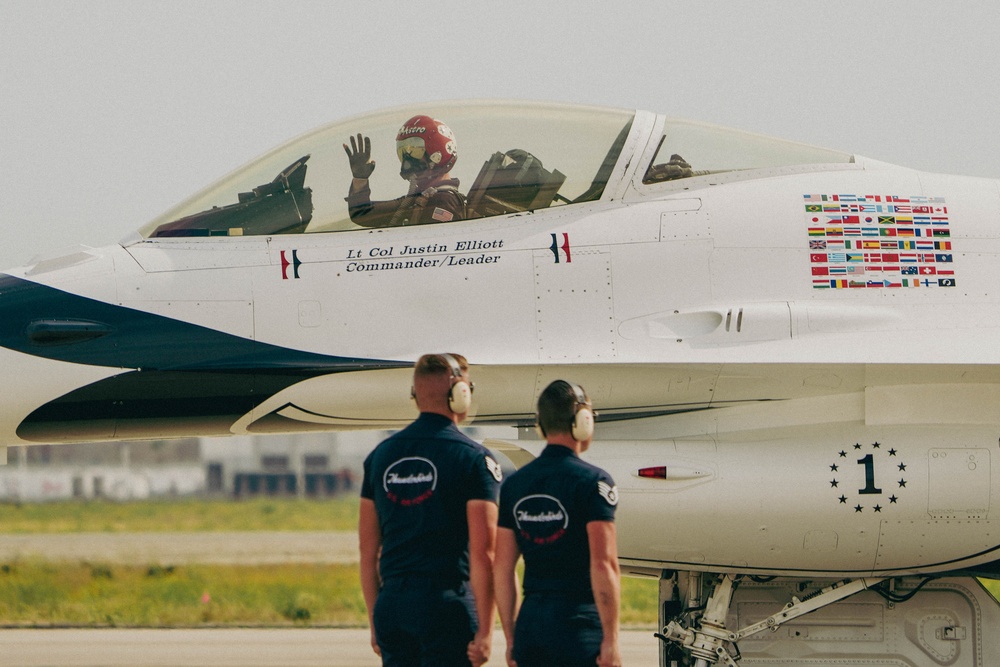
<point x="427" y="151"/>
<point x="558" y="511"/>
<point x="427" y="529"/>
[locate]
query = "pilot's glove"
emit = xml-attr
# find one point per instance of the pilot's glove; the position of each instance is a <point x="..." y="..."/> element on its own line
<point x="360" y="156"/>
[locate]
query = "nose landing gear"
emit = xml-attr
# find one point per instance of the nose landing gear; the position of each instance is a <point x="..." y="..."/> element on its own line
<point x="707" y="641"/>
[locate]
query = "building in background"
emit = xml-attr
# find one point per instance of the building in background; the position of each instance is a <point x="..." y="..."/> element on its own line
<point x="309" y="465"/>
<point x="313" y="465"/>
<point x="305" y="465"/>
<point x="113" y="470"/>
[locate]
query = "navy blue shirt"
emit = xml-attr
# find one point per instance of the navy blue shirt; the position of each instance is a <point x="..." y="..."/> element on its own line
<point x="420" y="480"/>
<point x="548" y="504"/>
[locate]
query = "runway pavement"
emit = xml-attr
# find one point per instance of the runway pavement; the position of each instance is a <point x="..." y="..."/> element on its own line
<point x="229" y="648"/>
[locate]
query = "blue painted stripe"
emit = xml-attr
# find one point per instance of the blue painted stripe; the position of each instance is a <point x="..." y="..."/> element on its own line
<point x="136" y="339"/>
<point x="193" y="380"/>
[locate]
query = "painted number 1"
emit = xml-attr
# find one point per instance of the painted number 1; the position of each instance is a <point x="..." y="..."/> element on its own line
<point x="869" y="465"/>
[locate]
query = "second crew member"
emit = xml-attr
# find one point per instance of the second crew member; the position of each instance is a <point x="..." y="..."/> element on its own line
<point x="558" y="511"/>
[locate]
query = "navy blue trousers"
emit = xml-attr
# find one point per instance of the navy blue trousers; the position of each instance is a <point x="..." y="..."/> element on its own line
<point x="419" y="623"/>
<point x="554" y="630"/>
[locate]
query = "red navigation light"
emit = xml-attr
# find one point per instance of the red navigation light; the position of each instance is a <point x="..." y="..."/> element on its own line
<point x="656" y="472"/>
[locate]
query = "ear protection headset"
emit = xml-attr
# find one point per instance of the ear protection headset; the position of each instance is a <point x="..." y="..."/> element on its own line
<point x="583" y="417"/>
<point x="460" y="394"/>
<point x="582" y="426"/>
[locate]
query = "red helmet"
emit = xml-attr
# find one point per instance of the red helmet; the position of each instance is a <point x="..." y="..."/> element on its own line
<point x="426" y="142"/>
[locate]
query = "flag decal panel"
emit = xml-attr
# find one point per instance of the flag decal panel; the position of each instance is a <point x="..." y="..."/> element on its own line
<point x="878" y="241"/>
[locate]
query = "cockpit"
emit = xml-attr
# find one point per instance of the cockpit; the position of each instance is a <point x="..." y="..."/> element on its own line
<point x="512" y="157"/>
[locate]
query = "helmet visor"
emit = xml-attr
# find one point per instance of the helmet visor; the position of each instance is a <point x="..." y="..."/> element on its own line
<point x="412" y="147"/>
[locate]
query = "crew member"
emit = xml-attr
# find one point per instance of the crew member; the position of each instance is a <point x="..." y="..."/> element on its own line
<point x="427" y="529"/>
<point x="558" y="511"/>
<point x="427" y="151"/>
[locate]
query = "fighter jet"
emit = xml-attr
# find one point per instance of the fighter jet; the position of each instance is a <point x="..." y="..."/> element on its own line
<point x="794" y="351"/>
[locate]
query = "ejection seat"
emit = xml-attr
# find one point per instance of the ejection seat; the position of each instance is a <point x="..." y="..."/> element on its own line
<point x="513" y="182"/>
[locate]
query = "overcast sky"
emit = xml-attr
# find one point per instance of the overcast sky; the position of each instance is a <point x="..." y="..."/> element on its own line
<point x="111" y="112"/>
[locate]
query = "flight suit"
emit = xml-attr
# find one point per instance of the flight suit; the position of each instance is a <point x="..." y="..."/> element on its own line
<point x="548" y="504"/>
<point x="440" y="203"/>
<point x="420" y="480"/>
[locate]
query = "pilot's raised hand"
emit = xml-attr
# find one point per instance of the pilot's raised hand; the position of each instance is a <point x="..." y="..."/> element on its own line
<point x="359" y="154"/>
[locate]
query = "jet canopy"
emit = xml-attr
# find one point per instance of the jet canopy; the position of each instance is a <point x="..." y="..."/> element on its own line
<point x="512" y="157"/>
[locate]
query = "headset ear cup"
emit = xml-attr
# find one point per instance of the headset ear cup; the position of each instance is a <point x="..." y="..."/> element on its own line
<point x="583" y="425"/>
<point x="460" y="397"/>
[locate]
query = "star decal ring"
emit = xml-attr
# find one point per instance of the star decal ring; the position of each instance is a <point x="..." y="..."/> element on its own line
<point x="868" y="478"/>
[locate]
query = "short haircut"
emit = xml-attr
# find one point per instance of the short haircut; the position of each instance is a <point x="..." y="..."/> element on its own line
<point x="557" y="407"/>
<point x="436" y="364"/>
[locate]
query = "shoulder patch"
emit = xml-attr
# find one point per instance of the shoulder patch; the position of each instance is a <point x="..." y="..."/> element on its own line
<point x="494" y="468"/>
<point x="442" y="215"/>
<point x="608" y="492"/>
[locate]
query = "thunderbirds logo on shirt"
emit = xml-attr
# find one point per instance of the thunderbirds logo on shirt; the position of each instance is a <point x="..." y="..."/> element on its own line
<point x="541" y="519"/>
<point x="410" y="481"/>
<point x="878" y="241"/>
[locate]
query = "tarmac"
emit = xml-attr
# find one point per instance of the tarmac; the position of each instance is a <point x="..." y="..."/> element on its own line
<point x="230" y="647"/>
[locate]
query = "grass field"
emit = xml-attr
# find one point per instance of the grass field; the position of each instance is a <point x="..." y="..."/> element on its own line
<point x="39" y="593"/>
<point x="183" y="515"/>
<point x="42" y="593"/>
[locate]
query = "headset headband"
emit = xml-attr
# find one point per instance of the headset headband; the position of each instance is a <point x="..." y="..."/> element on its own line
<point x="456" y="369"/>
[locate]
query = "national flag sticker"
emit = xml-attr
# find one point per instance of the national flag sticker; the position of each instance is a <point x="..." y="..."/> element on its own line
<point x="442" y="215"/>
<point x="893" y="223"/>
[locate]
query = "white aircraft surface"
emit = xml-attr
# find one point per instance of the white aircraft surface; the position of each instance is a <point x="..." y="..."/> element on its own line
<point x="795" y="353"/>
